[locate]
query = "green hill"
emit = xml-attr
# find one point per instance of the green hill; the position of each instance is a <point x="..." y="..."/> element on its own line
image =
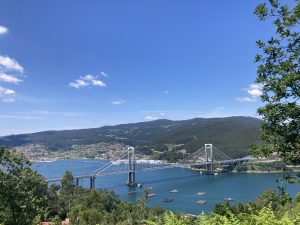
<point x="232" y="135"/>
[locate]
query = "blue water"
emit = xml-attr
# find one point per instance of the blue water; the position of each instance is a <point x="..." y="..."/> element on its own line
<point x="240" y="187"/>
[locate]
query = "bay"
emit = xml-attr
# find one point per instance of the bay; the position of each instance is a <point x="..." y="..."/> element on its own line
<point x="242" y="187"/>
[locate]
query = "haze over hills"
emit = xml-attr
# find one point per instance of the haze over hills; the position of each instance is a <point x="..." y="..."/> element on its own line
<point x="232" y="135"/>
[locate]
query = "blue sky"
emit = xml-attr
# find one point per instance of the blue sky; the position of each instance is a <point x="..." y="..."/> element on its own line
<point x="78" y="64"/>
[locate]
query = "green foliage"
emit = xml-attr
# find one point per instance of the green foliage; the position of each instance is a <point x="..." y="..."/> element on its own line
<point x="23" y="192"/>
<point x="279" y="74"/>
<point x="171" y="156"/>
<point x="67" y="184"/>
<point x="241" y="167"/>
<point x="103" y="207"/>
<point x="268" y="198"/>
<point x="266" y="167"/>
<point x="264" y="216"/>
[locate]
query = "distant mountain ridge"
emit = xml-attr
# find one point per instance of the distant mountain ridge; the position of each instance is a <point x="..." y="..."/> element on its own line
<point x="232" y="135"/>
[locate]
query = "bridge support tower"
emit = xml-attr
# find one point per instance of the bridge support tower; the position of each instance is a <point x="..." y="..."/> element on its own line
<point x="131" y="167"/>
<point x="92" y="182"/>
<point x="209" y="158"/>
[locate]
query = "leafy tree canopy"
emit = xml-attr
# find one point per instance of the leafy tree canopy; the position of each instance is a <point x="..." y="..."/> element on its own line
<point x="278" y="74"/>
<point x="67" y="184"/>
<point x="23" y="192"/>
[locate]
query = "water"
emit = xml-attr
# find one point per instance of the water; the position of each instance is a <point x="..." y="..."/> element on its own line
<point x="240" y="187"/>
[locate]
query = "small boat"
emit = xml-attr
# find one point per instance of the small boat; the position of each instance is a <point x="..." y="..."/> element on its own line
<point x="228" y="199"/>
<point x="151" y="195"/>
<point x="168" y="199"/>
<point x="131" y="192"/>
<point x="201" y="193"/>
<point x="174" y="191"/>
<point x="201" y="202"/>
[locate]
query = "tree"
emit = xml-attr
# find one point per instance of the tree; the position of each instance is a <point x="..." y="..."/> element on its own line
<point x="23" y="192"/>
<point x="66" y="193"/>
<point x="268" y="198"/>
<point x="278" y="74"/>
<point x="57" y="205"/>
<point x="67" y="184"/>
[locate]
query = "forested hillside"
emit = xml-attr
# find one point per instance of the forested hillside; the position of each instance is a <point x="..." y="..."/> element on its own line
<point x="232" y="135"/>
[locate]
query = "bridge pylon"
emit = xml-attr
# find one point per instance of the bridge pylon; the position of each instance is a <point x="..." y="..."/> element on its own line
<point x="92" y="182"/>
<point x="131" y="167"/>
<point x="209" y="158"/>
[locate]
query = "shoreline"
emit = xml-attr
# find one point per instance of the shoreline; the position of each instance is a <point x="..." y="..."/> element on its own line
<point x="254" y="171"/>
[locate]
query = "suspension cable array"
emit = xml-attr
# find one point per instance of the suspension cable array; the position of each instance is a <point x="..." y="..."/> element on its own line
<point x="206" y="156"/>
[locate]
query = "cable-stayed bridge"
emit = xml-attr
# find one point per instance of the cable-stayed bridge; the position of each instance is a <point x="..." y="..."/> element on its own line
<point x="208" y="157"/>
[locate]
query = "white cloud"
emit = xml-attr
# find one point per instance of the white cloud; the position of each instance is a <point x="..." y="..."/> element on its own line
<point x="87" y="80"/>
<point x="27" y="117"/>
<point x="10" y="64"/>
<point x="245" y="99"/>
<point x="118" y="102"/>
<point x="254" y="91"/>
<point x="155" y="117"/>
<point x="78" y="84"/>
<point x="3" y="30"/>
<point x="7" y="94"/>
<point x="217" y="112"/>
<point x="9" y="78"/>
<point x="98" y="83"/>
<point x="88" y="77"/>
<point x="9" y="100"/>
<point x="46" y="113"/>
<point x="6" y="91"/>
<point x="104" y="74"/>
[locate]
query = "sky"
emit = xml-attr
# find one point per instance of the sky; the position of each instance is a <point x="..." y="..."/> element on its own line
<point x="80" y="64"/>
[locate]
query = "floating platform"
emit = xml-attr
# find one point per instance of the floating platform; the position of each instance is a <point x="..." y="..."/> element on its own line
<point x="174" y="191"/>
<point x="201" y="193"/>
<point x="168" y="199"/>
<point x="201" y="202"/>
<point x="151" y="195"/>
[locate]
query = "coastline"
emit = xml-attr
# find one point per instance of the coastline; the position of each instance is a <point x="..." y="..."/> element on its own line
<point x="254" y="171"/>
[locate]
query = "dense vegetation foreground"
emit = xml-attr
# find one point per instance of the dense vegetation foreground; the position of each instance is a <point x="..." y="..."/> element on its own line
<point x="26" y="199"/>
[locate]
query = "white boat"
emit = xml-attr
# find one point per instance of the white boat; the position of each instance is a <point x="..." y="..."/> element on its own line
<point x="174" y="191"/>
